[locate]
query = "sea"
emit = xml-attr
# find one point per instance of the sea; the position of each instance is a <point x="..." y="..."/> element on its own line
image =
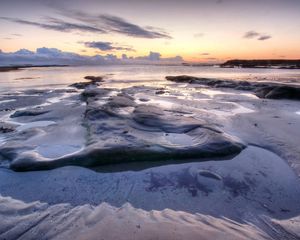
<point x="130" y="75"/>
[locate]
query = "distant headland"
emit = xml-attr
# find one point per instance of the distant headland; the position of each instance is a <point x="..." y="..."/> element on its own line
<point x="264" y="63"/>
<point x="17" y="67"/>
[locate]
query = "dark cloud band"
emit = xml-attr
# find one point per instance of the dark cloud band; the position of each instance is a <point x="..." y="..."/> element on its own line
<point x="96" y="24"/>
<point x="57" y="25"/>
<point x="256" y="35"/>
<point x="119" y="25"/>
<point x="107" y="46"/>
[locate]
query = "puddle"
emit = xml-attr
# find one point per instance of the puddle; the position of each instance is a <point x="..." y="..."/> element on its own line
<point x="25" y="126"/>
<point x="212" y="93"/>
<point x="238" y="109"/>
<point x="6" y="101"/>
<point x="127" y="111"/>
<point x="56" y="99"/>
<point x="2" y="140"/>
<point x="56" y="151"/>
<point x="161" y="103"/>
<point x="153" y="100"/>
<point x="249" y="95"/>
<point x="178" y="139"/>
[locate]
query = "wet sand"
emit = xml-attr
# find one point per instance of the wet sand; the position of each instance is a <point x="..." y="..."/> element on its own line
<point x="212" y="163"/>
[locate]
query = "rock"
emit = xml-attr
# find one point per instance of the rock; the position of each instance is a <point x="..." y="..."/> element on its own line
<point x="120" y="129"/>
<point x="181" y="78"/>
<point x="160" y="92"/>
<point x="7" y="127"/>
<point x="262" y="90"/>
<point x="94" y="79"/>
<point x="157" y="120"/>
<point x="206" y="81"/>
<point x="94" y="92"/>
<point x="28" y="113"/>
<point x="80" y="85"/>
<point x="121" y="101"/>
<point x="284" y="92"/>
<point x="279" y="92"/>
<point x="147" y="134"/>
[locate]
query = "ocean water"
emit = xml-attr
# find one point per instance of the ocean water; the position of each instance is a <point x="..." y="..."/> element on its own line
<point x="126" y="75"/>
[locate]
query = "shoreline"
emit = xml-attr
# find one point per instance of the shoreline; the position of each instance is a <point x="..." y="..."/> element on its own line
<point x="225" y="65"/>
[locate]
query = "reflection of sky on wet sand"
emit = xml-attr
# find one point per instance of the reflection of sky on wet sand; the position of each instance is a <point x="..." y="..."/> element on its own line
<point x="218" y="103"/>
<point x="57" y="150"/>
<point x="36" y="124"/>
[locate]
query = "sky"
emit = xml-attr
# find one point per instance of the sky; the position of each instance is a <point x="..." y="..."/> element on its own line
<point x="150" y="30"/>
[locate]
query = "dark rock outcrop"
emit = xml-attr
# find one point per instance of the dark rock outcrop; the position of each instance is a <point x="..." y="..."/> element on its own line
<point x="262" y="90"/>
<point x="93" y="80"/>
<point x="263" y="63"/>
<point x="279" y="92"/>
<point x="119" y="130"/>
<point x="28" y="113"/>
<point x="80" y="85"/>
<point x="7" y="127"/>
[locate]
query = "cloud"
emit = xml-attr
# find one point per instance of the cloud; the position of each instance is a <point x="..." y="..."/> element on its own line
<point x="51" y="52"/>
<point x="116" y="24"/>
<point x="211" y="58"/>
<point x="57" y="25"/>
<point x="205" y="54"/>
<point x="119" y="25"/>
<point x="96" y="24"/>
<point x="49" y="56"/>
<point x="24" y="52"/>
<point x="251" y="34"/>
<point x="107" y="46"/>
<point x="256" y="35"/>
<point x="153" y="56"/>
<point x="264" y="37"/>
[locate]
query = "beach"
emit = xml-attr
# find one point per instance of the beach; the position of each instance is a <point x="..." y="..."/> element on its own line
<point x="122" y="152"/>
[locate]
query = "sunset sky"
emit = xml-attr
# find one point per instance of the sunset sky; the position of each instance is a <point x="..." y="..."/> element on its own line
<point x="196" y="30"/>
